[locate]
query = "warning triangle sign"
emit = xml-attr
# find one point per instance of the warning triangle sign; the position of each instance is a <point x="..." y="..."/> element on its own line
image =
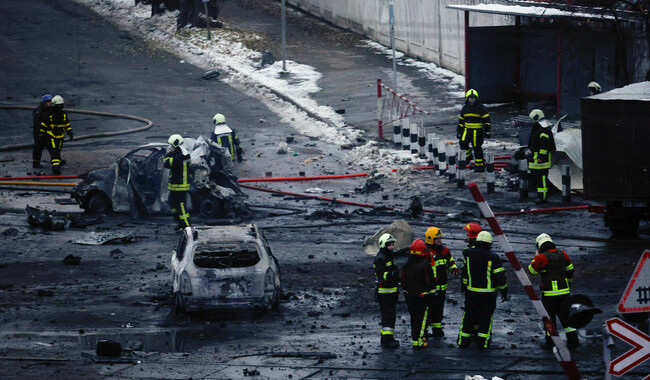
<point x="637" y="294"/>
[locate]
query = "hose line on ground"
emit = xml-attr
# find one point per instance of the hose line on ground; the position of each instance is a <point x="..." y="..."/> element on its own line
<point x="148" y="125"/>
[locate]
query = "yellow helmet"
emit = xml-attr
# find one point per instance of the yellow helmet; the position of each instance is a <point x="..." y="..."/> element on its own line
<point x="471" y="92"/>
<point x="432" y="234"/>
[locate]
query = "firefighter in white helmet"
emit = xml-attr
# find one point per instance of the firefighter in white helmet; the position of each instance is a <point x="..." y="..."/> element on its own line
<point x="53" y="128"/>
<point x="226" y="137"/>
<point x="178" y="164"/>
<point x="594" y="88"/>
<point x="387" y="283"/>
<point x="482" y="276"/>
<point x="541" y="145"/>
<point x="556" y="271"/>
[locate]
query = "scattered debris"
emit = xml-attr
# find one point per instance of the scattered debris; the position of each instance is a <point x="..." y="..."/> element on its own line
<point x="369" y="187"/>
<point x="97" y="238"/>
<point x="401" y="231"/>
<point x="10" y="232"/>
<point x="283" y="148"/>
<point x="416" y="207"/>
<point x="289" y="139"/>
<point x="45" y="219"/>
<point x="210" y="74"/>
<point x="267" y="59"/>
<point x="317" y="190"/>
<point x="72" y="260"/>
<point x="109" y="360"/>
<point x="251" y="373"/>
<point x="325" y="214"/>
<point x="109" y="348"/>
<point x="340" y="111"/>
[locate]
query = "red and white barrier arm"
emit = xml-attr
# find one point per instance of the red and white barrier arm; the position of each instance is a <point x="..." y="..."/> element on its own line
<point x="561" y="352"/>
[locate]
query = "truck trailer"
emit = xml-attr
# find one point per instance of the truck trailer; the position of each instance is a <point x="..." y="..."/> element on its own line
<point x="616" y="155"/>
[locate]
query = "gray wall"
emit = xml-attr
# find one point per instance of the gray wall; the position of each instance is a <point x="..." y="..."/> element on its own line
<point x="425" y="29"/>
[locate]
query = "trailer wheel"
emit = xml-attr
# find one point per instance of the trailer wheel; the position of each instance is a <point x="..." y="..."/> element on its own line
<point x="626" y="229"/>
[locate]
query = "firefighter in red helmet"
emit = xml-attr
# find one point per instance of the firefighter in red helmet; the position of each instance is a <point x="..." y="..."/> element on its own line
<point x="418" y="283"/>
<point x="472" y="229"/>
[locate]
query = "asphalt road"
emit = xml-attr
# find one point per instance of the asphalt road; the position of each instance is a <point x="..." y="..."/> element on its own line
<point x="53" y="313"/>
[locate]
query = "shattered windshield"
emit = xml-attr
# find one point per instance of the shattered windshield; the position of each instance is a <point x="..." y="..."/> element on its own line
<point x="226" y="256"/>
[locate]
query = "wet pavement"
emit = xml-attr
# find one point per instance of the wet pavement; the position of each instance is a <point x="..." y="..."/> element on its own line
<point x="327" y="327"/>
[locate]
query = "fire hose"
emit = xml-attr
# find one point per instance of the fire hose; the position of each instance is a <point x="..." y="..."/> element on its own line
<point x="148" y="124"/>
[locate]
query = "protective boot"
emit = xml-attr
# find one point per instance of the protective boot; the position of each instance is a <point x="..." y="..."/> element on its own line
<point x="479" y="168"/>
<point x="37" y="165"/>
<point x="437" y="332"/>
<point x="56" y="170"/>
<point x="572" y="340"/>
<point x="388" y="341"/>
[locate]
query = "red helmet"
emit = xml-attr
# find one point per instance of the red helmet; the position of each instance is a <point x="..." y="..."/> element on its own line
<point x="418" y="247"/>
<point x="472" y="229"/>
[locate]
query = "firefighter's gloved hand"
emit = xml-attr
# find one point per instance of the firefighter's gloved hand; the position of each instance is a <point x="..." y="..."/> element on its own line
<point x="71" y="135"/>
<point x="504" y="295"/>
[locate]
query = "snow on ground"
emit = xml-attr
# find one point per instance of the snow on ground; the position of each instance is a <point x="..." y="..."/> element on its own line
<point x="226" y="53"/>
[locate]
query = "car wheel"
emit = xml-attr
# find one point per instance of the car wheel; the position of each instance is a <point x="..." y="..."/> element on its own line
<point x="98" y="203"/>
<point x="209" y="206"/>
<point x="179" y="305"/>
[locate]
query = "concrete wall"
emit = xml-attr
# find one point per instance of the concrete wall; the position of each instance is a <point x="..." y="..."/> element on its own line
<point x="426" y="29"/>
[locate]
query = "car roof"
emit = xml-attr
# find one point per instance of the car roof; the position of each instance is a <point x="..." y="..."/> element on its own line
<point x="238" y="233"/>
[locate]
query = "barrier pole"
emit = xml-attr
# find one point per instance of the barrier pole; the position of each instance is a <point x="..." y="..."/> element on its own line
<point x="560" y="350"/>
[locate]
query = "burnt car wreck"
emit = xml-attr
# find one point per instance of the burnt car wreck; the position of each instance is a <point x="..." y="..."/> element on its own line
<point x="137" y="183"/>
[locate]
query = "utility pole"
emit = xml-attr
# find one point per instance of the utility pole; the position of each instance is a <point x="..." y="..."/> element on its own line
<point x="391" y="21"/>
<point x="284" y="33"/>
<point x="207" y="17"/>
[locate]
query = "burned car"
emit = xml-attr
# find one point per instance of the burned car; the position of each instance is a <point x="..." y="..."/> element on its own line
<point x="224" y="267"/>
<point x="137" y="182"/>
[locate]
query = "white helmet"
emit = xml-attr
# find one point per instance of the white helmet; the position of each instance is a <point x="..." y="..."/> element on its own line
<point x="218" y="119"/>
<point x="57" y="100"/>
<point x="595" y="86"/>
<point x="484" y="237"/>
<point x="536" y="115"/>
<point x="175" y="140"/>
<point x="541" y="239"/>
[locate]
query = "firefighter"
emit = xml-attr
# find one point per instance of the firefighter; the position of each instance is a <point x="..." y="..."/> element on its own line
<point x="472" y="229"/>
<point x="594" y="88"/>
<point x="178" y="163"/>
<point x="556" y="272"/>
<point x="482" y="276"/>
<point x="53" y="129"/>
<point x="541" y="145"/>
<point x="441" y="262"/>
<point x="418" y="284"/>
<point x="39" y="115"/>
<point x="473" y="127"/>
<point x="388" y="281"/>
<point x="226" y="137"/>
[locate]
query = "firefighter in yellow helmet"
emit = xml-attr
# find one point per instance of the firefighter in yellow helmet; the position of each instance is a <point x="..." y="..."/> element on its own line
<point x="556" y="271"/>
<point x="178" y="163"/>
<point x="473" y="128"/>
<point x="441" y="262"/>
<point x="387" y="283"/>
<point x="482" y="276"/>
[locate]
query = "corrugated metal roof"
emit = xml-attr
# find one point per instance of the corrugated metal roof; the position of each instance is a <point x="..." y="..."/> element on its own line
<point x="530" y="11"/>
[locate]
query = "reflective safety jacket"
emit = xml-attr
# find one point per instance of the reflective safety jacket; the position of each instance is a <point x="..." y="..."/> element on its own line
<point x="179" y="170"/>
<point x="473" y="116"/>
<point x="441" y="262"/>
<point x="556" y="270"/>
<point x="228" y="140"/>
<point x="483" y="272"/>
<point x="541" y="145"/>
<point x="56" y="124"/>
<point x="386" y="272"/>
<point x="417" y="276"/>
